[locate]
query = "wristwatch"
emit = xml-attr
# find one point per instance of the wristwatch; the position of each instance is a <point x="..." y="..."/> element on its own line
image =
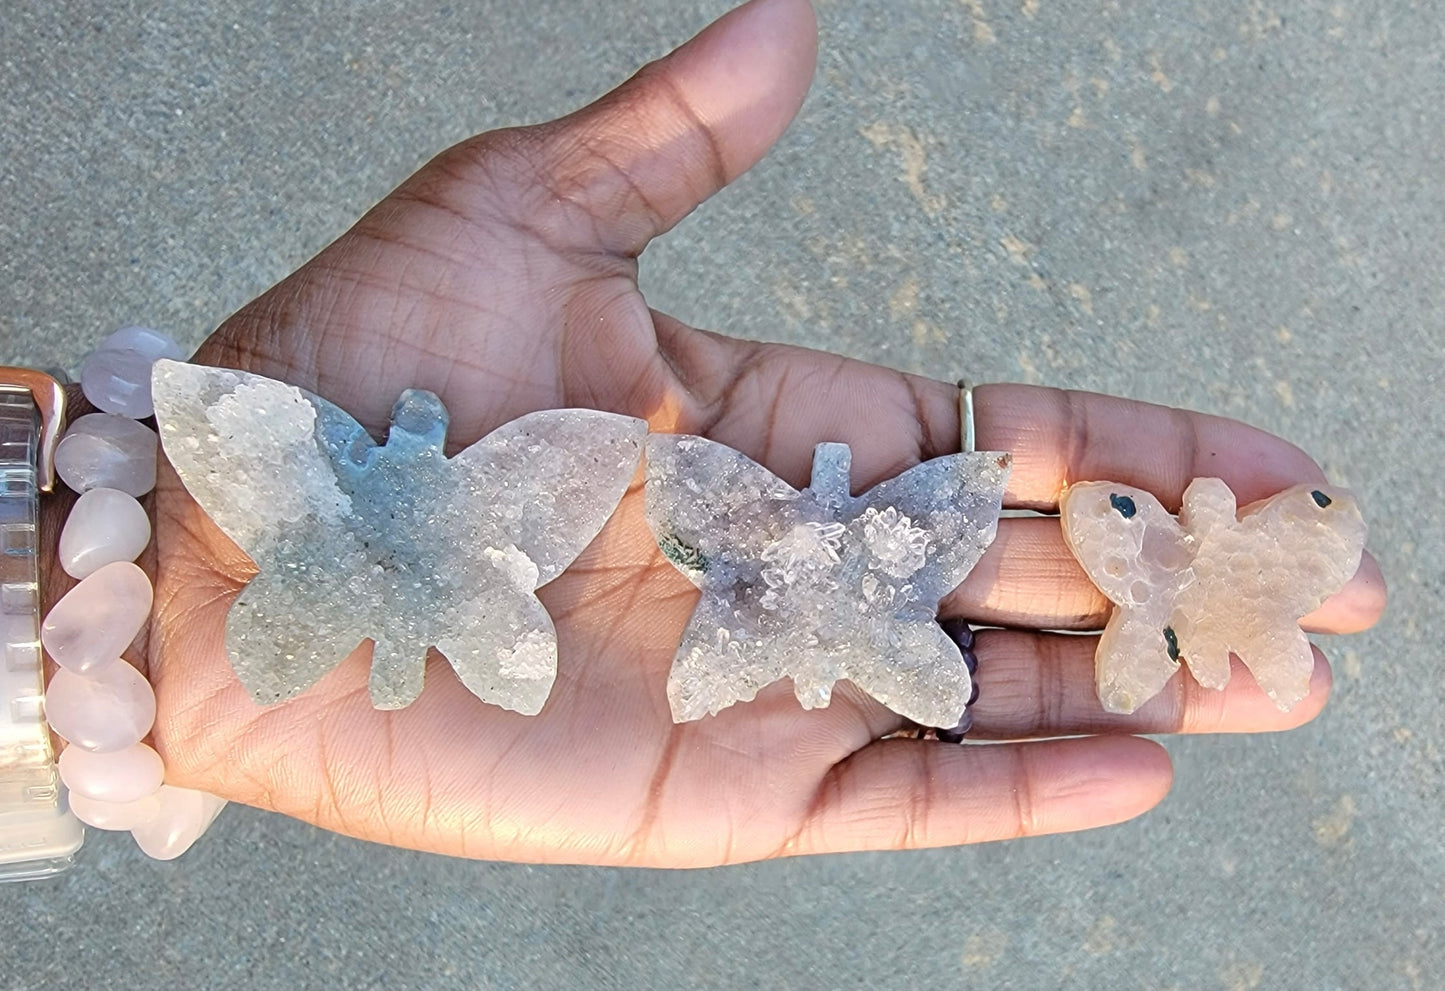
<point x="39" y="835"/>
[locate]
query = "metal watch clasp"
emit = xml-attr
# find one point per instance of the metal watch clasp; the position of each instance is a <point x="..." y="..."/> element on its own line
<point x="49" y="398"/>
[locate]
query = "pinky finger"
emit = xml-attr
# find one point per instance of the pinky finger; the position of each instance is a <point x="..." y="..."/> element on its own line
<point x="902" y="794"/>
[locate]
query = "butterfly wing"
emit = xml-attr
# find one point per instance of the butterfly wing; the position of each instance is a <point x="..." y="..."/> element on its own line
<point x="525" y="501"/>
<point x="714" y="511"/>
<point x="705" y="501"/>
<point x="1314" y="531"/>
<point x="279" y="650"/>
<point x="1121" y="535"/>
<point x="1138" y="555"/>
<point x="246" y="447"/>
<point x="940" y="515"/>
<point x="718" y="662"/>
<point x="1280" y="561"/>
<point x="503" y="647"/>
<point x="553" y="478"/>
<point x="924" y="679"/>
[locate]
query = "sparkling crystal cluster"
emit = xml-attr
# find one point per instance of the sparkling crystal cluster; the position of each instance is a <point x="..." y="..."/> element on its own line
<point x="819" y="585"/>
<point x="1211" y="583"/>
<point x="395" y="543"/>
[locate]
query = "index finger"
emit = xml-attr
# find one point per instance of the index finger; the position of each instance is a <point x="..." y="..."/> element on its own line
<point x="1059" y="437"/>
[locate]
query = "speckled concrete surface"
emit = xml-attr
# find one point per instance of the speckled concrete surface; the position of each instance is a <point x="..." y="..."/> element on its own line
<point x="1233" y="206"/>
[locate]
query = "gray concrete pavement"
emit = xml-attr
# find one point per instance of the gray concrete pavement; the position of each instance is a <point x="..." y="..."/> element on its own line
<point x="1234" y="207"/>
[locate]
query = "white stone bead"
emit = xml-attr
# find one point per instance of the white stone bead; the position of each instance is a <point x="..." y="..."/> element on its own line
<point x="119" y="777"/>
<point x="118" y="380"/>
<point x="185" y="815"/>
<point x="105" y="525"/>
<point x="93" y="624"/>
<point x="106" y="710"/>
<point x="102" y="450"/>
<point x="154" y="344"/>
<point x="109" y="815"/>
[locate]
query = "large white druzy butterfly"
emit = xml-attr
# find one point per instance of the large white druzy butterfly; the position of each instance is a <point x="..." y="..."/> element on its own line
<point x="396" y="543"/>
<point x="1212" y="583"/>
<point x="819" y="585"/>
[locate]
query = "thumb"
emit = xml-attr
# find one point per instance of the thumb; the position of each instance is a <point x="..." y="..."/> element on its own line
<point x="628" y="167"/>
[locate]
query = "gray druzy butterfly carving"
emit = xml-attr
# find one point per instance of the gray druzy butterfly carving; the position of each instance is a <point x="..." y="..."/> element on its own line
<point x="819" y="585"/>
<point x="396" y="542"/>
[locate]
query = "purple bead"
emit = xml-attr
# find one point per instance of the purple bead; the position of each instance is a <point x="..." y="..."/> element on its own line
<point x="154" y="344"/>
<point x="962" y="635"/>
<point x="118" y="380"/>
<point x="102" y="450"/>
<point x="959" y="632"/>
<point x="957" y="733"/>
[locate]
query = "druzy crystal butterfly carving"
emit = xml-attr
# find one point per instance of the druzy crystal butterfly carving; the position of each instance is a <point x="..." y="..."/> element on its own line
<point x="1211" y="583"/>
<point x="819" y="585"/>
<point x="396" y="542"/>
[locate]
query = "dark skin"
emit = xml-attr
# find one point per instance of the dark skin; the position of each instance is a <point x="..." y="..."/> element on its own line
<point x="502" y="276"/>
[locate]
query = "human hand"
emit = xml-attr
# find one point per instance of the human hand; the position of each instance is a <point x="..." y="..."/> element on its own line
<point x="502" y="276"/>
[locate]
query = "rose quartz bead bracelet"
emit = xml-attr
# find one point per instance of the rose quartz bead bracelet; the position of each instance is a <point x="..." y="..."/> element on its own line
<point x="101" y="705"/>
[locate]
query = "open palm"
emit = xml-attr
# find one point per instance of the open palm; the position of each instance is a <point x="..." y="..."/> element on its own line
<point x="502" y="277"/>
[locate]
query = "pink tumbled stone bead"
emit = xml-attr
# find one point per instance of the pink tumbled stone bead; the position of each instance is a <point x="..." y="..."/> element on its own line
<point x="118" y="380"/>
<point x="102" y="450"/>
<point x="154" y="344"/>
<point x="93" y="624"/>
<point x="184" y="815"/>
<point x="110" y="815"/>
<point x="104" y="526"/>
<point x="108" y="709"/>
<point x="120" y="776"/>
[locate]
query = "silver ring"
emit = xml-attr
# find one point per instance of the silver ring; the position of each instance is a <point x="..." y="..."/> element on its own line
<point x="967" y="442"/>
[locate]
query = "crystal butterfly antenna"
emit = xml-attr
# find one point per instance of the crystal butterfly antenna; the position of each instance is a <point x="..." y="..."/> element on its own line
<point x="396" y="543"/>
<point x="818" y="584"/>
<point x="1212" y="583"/>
